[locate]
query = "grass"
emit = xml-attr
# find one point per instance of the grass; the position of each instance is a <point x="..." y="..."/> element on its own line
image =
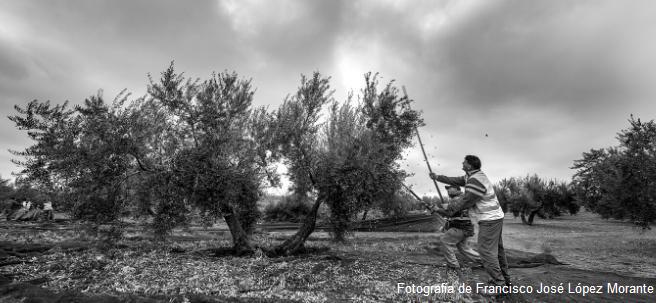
<point x="587" y="242"/>
<point x="182" y="269"/>
<point x="367" y="268"/>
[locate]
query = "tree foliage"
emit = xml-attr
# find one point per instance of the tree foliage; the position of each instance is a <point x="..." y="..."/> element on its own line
<point x="79" y="153"/>
<point x="289" y="208"/>
<point x="618" y="182"/>
<point x="185" y="145"/>
<point x="191" y="145"/>
<point x="6" y="189"/>
<point x="205" y="152"/>
<point x="349" y="159"/>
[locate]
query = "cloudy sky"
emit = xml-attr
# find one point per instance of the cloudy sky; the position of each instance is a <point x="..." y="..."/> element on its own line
<point x="545" y="80"/>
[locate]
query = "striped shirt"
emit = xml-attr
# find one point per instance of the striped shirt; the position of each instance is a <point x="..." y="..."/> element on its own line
<point x="474" y="192"/>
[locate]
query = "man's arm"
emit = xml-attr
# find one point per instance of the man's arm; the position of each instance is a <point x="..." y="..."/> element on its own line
<point x="468" y="201"/>
<point x="474" y="192"/>
<point x="459" y="181"/>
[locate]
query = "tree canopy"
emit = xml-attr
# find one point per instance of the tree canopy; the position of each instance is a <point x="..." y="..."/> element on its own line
<point x="191" y="145"/>
<point x="619" y="182"/>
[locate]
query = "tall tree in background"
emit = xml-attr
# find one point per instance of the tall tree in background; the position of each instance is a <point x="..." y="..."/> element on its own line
<point x="297" y="137"/>
<point x="350" y="159"/>
<point x="213" y="156"/>
<point x="80" y="153"/>
<point x="620" y="182"/>
<point x="185" y="145"/>
<point x="367" y="141"/>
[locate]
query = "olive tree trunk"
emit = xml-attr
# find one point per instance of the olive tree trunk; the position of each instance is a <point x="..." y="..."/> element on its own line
<point x="297" y="241"/>
<point x="240" y="238"/>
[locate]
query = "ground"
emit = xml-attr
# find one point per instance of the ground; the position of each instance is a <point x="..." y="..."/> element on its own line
<point x="65" y="262"/>
<point x="586" y="241"/>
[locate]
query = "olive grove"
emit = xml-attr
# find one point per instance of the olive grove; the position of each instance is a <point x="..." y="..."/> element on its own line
<point x="201" y="146"/>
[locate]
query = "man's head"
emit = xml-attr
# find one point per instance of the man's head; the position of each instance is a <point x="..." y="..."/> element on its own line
<point x="471" y="163"/>
<point x="453" y="190"/>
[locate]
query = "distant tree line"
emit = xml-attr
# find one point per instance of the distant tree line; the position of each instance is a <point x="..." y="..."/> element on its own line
<point x="616" y="182"/>
<point x="13" y="194"/>
<point x="532" y="196"/>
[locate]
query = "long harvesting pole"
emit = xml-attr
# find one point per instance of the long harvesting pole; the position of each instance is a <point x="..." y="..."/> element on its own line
<point x="426" y="204"/>
<point x="425" y="157"/>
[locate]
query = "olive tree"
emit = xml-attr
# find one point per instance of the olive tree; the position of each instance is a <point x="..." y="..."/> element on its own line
<point x="348" y="160"/>
<point x="201" y="145"/>
<point x="531" y="195"/>
<point x="186" y="144"/>
<point x="618" y="182"/>
<point x="213" y="156"/>
<point x="80" y="153"/>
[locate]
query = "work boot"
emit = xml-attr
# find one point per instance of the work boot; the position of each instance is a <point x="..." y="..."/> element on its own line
<point x="474" y="265"/>
<point x="508" y="281"/>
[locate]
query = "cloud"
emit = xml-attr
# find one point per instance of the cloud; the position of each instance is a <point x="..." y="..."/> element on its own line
<point x="282" y="40"/>
<point x="546" y="80"/>
<point x="565" y="55"/>
<point x="11" y="66"/>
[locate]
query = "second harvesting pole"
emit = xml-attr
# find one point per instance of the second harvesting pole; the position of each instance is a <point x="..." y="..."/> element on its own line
<point x="425" y="158"/>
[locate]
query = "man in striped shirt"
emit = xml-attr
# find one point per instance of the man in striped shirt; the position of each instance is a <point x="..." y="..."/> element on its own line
<point x="483" y="206"/>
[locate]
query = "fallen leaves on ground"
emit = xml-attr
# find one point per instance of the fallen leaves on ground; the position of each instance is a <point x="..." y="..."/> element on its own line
<point x="158" y="272"/>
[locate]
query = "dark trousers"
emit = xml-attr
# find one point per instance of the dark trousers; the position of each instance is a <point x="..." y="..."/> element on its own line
<point x="490" y="248"/>
<point x="453" y="240"/>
